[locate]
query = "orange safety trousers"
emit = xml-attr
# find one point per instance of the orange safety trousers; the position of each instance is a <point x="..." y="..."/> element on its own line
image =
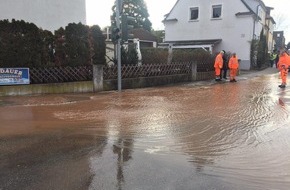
<point x="283" y="65"/>
<point x="283" y="74"/>
<point x="217" y="71"/>
<point x="233" y="73"/>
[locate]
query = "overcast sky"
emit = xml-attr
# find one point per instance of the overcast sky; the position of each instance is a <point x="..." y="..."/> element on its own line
<point x="281" y="15"/>
<point x="99" y="11"/>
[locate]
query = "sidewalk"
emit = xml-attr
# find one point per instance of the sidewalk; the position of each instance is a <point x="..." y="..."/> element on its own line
<point x="243" y="75"/>
<point x="254" y="73"/>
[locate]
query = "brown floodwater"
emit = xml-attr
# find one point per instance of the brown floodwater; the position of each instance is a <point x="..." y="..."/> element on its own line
<point x="190" y="136"/>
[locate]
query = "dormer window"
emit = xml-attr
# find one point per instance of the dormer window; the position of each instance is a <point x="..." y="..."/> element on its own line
<point x="216" y="11"/>
<point x="193" y="13"/>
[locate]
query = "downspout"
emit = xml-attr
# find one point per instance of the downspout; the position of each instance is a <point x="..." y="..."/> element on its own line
<point x="254" y="25"/>
<point x="254" y="28"/>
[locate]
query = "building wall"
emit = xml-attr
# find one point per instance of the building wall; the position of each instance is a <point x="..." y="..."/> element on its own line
<point x="279" y="39"/>
<point x="270" y="36"/>
<point x="46" y="14"/>
<point x="236" y="32"/>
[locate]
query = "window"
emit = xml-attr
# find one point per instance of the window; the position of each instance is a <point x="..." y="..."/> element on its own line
<point x="216" y="11"/>
<point x="194" y="13"/>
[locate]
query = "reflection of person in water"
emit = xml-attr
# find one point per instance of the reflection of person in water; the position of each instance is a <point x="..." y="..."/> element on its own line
<point x="124" y="151"/>
<point x="281" y="102"/>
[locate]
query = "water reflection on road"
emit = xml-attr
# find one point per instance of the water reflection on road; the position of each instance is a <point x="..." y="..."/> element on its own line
<point x="191" y="136"/>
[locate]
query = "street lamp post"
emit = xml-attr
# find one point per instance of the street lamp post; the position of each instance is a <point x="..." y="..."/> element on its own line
<point x="118" y="7"/>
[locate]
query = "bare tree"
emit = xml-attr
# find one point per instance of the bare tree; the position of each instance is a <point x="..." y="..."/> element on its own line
<point x="280" y="20"/>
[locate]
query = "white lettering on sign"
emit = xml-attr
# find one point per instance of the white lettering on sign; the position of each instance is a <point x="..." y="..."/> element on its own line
<point x="11" y="71"/>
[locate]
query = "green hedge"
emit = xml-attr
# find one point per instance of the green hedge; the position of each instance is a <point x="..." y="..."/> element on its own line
<point x="23" y="44"/>
<point x="154" y="55"/>
<point x="203" y="58"/>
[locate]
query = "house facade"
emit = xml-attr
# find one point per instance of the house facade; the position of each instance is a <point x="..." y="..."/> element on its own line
<point x="217" y="25"/>
<point x="279" y="39"/>
<point x="141" y="39"/>
<point x="46" y="14"/>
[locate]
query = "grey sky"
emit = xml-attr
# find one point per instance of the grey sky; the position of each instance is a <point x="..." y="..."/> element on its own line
<point x="98" y="12"/>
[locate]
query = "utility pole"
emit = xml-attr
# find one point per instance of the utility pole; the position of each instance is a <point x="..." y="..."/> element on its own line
<point x="118" y="8"/>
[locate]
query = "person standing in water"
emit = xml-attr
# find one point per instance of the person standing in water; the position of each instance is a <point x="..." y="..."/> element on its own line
<point x="218" y="65"/>
<point x="283" y="66"/>
<point x="233" y="66"/>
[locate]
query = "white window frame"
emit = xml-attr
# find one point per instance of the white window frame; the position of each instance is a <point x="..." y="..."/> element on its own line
<point x="218" y="6"/>
<point x="190" y="13"/>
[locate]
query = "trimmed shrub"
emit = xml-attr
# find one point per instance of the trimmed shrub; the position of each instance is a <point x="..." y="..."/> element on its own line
<point x="98" y="46"/>
<point x="23" y="44"/>
<point x="20" y="43"/>
<point x="154" y="56"/>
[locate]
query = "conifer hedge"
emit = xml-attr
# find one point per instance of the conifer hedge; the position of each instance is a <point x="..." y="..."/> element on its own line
<point x="23" y="44"/>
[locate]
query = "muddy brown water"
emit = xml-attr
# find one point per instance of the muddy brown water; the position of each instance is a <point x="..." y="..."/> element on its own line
<point x="189" y="136"/>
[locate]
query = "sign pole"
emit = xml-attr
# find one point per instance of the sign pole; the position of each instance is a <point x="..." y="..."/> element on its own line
<point x="118" y="6"/>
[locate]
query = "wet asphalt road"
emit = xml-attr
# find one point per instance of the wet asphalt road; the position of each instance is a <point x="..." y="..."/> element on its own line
<point x="203" y="135"/>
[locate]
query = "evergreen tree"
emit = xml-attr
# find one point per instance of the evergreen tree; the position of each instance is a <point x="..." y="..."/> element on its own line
<point x="136" y="9"/>
<point x="59" y="55"/>
<point x="97" y="46"/>
<point x="160" y="34"/>
<point x="262" y="57"/>
<point x="254" y="50"/>
<point x="47" y="53"/>
<point x="20" y="44"/>
<point x="129" y="56"/>
<point x="77" y="44"/>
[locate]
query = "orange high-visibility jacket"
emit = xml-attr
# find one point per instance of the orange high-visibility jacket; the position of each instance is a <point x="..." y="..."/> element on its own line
<point x="218" y="61"/>
<point x="234" y="63"/>
<point x="284" y="60"/>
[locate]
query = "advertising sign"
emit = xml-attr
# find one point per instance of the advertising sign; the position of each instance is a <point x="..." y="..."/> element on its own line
<point x="14" y="76"/>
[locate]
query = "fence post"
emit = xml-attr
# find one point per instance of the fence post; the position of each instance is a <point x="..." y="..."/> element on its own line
<point x="170" y="52"/>
<point x="98" y="78"/>
<point x="193" y="71"/>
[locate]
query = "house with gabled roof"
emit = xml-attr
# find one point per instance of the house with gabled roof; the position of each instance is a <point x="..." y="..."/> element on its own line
<point x="141" y="38"/>
<point x="216" y="25"/>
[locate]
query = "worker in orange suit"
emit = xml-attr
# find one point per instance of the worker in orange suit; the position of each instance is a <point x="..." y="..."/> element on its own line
<point x="218" y="65"/>
<point x="283" y="66"/>
<point x="234" y="66"/>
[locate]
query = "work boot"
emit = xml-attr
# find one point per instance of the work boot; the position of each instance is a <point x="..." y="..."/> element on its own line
<point x="282" y="86"/>
<point x="217" y="79"/>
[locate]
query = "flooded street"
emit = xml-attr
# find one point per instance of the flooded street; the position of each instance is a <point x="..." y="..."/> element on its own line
<point x="194" y="136"/>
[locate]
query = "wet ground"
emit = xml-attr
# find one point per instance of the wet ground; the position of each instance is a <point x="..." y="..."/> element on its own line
<point x="228" y="136"/>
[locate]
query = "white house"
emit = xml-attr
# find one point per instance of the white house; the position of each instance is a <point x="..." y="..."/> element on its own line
<point x="46" y="14"/>
<point x="216" y="25"/>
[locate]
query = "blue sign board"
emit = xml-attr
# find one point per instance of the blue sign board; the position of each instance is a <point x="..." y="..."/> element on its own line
<point x="14" y="76"/>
